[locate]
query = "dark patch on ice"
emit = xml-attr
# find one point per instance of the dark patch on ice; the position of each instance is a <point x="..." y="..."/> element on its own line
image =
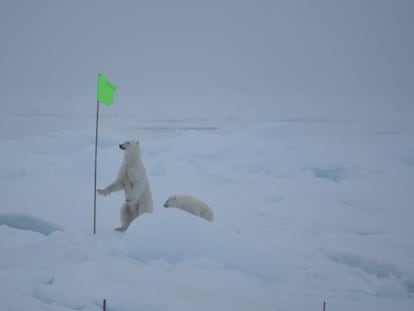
<point x="277" y="199"/>
<point x="182" y="128"/>
<point x="387" y="133"/>
<point x="368" y="233"/>
<point x="48" y="281"/>
<point x="408" y="159"/>
<point x="177" y="125"/>
<point x="310" y="120"/>
<point x="410" y="287"/>
<point x="335" y="174"/>
<point x="26" y="222"/>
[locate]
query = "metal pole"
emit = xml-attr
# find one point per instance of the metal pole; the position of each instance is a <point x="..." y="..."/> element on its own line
<point x="324" y="305"/>
<point x="104" y="305"/>
<point x="96" y="165"/>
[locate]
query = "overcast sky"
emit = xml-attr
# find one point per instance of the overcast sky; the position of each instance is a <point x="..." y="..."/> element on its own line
<point x="349" y="50"/>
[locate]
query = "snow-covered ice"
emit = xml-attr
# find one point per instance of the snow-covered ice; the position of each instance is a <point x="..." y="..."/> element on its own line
<point x="292" y="120"/>
<point x="305" y="212"/>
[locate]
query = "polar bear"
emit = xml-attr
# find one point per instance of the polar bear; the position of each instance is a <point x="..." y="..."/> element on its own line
<point x="191" y="205"/>
<point x="133" y="179"/>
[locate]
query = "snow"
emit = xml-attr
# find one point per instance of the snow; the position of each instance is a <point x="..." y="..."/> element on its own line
<point x="293" y="120"/>
<point x="306" y="211"/>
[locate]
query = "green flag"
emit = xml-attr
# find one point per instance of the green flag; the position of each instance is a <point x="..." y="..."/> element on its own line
<point x="106" y="90"/>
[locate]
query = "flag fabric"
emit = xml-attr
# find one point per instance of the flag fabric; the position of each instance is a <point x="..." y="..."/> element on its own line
<point x="106" y="90"/>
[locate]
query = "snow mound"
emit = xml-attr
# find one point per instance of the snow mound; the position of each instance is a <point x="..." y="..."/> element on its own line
<point x="26" y="222"/>
<point x="390" y="281"/>
<point x="177" y="237"/>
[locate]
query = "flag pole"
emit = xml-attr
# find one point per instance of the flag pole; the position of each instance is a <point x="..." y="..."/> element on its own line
<point x="96" y="165"/>
<point x="105" y="92"/>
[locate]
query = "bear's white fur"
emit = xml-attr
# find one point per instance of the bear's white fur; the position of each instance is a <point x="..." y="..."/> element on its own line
<point x="191" y="205"/>
<point x="133" y="179"/>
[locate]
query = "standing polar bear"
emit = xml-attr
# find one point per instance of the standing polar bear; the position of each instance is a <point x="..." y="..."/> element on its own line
<point x="133" y="179"/>
<point x="191" y="205"/>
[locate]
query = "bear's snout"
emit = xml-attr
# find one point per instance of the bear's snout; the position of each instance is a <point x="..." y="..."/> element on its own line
<point x="122" y="147"/>
<point x="166" y="204"/>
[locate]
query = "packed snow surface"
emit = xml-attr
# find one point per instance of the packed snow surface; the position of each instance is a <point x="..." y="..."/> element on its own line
<point x="305" y="212"/>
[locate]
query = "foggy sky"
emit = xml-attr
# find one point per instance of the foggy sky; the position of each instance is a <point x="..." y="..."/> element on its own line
<point x="355" y="51"/>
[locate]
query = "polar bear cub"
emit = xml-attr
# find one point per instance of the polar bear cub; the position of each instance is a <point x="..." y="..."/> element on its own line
<point x="191" y="205"/>
<point x="133" y="179"/>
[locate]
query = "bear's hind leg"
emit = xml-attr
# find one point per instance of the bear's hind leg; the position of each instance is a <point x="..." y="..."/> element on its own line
<point x="125" y="217"/>
<point x="129" y="212"/>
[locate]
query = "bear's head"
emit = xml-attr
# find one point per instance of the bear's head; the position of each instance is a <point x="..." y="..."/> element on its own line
<point x="172" y="200"/>
<point x="130" y="145"/>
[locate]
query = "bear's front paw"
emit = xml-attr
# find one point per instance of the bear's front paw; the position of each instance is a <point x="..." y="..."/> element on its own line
<point x="102" y="192"/>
